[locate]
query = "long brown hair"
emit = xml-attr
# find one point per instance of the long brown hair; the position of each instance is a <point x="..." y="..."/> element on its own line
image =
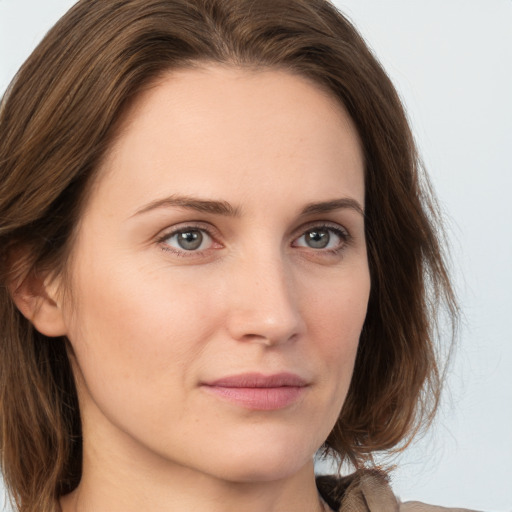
<point x="57" y="120"/>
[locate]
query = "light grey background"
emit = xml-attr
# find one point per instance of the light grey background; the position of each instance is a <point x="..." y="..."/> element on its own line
<point x="451" y="61"/>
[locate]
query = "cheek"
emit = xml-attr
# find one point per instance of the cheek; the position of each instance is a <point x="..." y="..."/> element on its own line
<point x="132" y="328"/>
<point x="335" y="320"/>
<point x="137" y="338"/>
<point x="122" y="296"/>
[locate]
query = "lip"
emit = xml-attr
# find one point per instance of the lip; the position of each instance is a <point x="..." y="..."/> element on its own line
<point x="257" y="391"/>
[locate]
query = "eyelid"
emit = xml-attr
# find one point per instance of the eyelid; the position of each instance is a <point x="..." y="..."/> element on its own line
<point x="340" y="231"/>
<point x="213" y="234"/>
<point x="335" y="226"/>
<point x="184" y="227"/>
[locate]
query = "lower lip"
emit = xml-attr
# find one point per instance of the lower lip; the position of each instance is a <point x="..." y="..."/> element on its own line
<point x="261" y="399"/>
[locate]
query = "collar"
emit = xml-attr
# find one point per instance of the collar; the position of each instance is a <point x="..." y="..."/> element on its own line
<point x="365" y="490"/>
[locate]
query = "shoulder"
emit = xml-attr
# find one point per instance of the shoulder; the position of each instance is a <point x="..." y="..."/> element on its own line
<point x="369" y="491"/>
<point x="416" y="506"/>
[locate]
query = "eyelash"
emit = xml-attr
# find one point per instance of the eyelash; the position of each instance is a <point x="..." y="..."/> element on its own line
<point x="340" y="232"/>
<point x="183" y="253"/>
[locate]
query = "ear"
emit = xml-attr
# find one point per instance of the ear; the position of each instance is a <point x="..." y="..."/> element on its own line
<point x="37" y="299"/>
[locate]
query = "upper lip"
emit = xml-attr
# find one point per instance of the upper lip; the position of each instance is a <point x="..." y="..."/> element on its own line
<point x="259" y="380"/>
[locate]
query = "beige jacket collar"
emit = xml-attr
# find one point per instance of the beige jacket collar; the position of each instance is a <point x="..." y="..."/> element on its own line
<point x="369" y="491"/>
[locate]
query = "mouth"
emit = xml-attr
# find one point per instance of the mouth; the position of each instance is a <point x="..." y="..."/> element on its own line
<point x="260" y="392"/>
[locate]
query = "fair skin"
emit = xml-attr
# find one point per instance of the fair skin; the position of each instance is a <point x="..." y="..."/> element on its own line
<point x="223" y="238"/>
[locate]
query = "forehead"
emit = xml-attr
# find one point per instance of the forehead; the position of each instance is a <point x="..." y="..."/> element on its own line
<point x="221" y="127"/>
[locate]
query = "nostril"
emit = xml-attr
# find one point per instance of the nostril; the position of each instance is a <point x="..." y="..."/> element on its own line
<point x="269" y="341"/>
<point x="267" y="329"/>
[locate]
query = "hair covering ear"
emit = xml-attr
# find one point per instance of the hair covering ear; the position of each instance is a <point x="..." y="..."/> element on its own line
<point x="37" y="300"/>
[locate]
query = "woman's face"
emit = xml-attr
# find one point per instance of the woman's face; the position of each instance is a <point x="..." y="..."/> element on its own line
<point x="220" y="277"/>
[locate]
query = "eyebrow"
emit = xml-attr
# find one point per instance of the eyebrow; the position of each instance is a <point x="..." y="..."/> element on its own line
<point x="192" y="203"/>
<point x="335" y="204"/>
<point x="226" y="209"/>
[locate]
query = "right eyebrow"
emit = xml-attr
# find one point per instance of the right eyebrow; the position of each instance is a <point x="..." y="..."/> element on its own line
<point x="191" y="203"/>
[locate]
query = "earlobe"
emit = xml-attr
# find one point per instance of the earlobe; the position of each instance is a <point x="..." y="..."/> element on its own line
<point x="37" y="301"/>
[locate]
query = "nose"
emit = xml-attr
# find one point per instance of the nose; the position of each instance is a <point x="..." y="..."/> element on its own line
<point x="264" y="303"/>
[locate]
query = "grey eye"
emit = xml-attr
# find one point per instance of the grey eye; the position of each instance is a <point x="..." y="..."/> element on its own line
<point x="190" y="240"/>
<point x="317" y="238"/>
<point x="322" y="237"/>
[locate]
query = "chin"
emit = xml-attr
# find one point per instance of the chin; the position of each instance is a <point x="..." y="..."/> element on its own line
<point x="263" y="462"/>
<point x="254" y="472"/>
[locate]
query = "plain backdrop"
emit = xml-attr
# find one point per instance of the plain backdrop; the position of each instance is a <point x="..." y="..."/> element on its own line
<point x="451" y="61"/>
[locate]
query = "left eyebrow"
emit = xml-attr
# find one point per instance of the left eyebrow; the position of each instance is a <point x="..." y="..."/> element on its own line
<point x="335" y="204"/>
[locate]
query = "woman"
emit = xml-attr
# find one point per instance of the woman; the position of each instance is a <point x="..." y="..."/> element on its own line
<point x="217" y="259"/>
